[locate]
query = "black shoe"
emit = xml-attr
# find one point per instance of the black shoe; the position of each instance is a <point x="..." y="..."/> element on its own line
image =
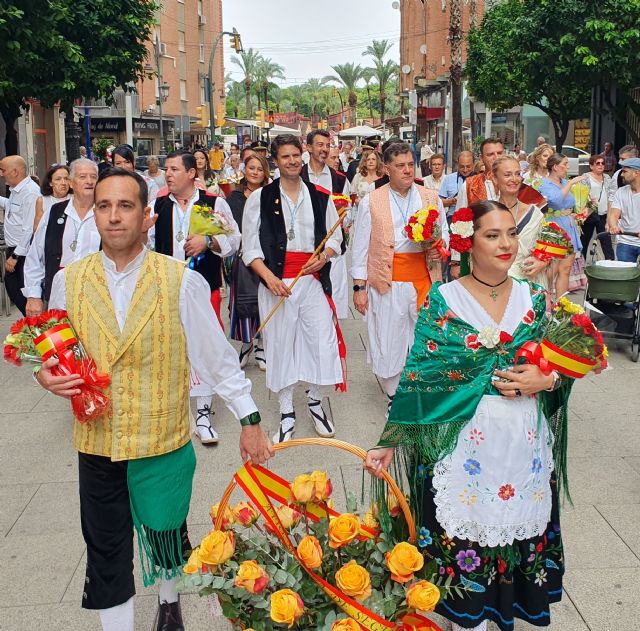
<point x="169" y="617"/>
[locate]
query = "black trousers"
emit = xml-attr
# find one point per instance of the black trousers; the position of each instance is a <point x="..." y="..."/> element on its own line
<point x="596" y="223"/>
<point x="14" y="282"/>
<point x="107" y="528"/>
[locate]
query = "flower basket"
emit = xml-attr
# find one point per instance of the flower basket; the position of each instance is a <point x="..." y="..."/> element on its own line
<point x="352" y="597"/>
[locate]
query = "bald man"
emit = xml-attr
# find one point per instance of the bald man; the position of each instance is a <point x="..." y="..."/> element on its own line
<point x="19" y="212"/>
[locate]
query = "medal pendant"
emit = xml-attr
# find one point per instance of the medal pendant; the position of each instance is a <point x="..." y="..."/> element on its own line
<point x="73" y="246"/>
<point x="180" y="236"/>
<point x="494" y="295"/>
<point x="291" y="235"/>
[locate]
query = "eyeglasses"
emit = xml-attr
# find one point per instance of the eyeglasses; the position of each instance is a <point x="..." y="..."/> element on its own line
<point x="598" y="164"/>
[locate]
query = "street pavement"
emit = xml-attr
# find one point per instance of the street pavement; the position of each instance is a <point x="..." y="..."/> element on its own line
<point x="42" y="554"/>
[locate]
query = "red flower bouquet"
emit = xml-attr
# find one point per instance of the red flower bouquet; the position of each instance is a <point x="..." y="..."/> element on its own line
<point x="461" y="230"/>
<point x="50" y="334"/>
<point x="424" y="228"/>
<point x="552" y="242"/>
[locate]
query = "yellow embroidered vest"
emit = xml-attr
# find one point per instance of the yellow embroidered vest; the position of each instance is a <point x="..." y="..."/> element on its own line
<point x="147" y="361"/>
<point x="383" y="240"/>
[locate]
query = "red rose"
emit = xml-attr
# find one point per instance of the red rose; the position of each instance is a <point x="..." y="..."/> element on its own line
<point x="471" y="342"/>
<point x="505" y="338"/>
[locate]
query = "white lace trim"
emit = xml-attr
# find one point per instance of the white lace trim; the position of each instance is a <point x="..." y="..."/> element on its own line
<point x="488" y="535"/>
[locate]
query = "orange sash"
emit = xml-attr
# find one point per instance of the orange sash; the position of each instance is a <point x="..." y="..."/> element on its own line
<point x="411" y="267"/>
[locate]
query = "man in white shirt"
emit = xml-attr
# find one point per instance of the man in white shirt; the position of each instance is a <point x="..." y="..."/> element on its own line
<point x="66" y="233"/>
<point x="282" y="225"/>
<point x="171" y="236"/>
<point x="108" y="488"/>
<point x="626" y="152"/>
<point x="434" y="180"/>
<point x="391" y="273"/>
<point x="624" y="214"/>
<point x="19" y="213"/>
<point x="346" y="155"/>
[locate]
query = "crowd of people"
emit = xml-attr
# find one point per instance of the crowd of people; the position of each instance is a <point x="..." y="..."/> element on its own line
<point x="116" y="251"/>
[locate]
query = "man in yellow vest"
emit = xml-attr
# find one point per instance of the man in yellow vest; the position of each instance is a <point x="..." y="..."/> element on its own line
<point x="141" y="315"/>
<point x="390" y="271"/>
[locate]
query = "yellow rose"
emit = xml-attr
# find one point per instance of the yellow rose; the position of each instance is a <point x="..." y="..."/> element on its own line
<point x="343" y="529"/>
<point x="217" y="547"/>
<point x="227" y="518"/>
<point x="288" y="516"/>
<point x="194" y="564"/>
<point x="346" y="624"/>
<point x="310" y="552"/>
<point x="370" y="521"/>
<point x="423" y="596"/>
<point x="251" y="577"/>
<point x="286" y="607"/>
<point x="322" y="486"/>
<point x="403" y="561"/>
<point x="245" y="514"/>
<point x="354" y="581"/>
<point x="302" y="488"/>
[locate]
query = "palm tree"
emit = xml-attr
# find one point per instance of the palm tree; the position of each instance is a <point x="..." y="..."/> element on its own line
<point x="297" y="95"/>
<point x="248" y="62"/>
<point x="314" y="90"/>
<point x="235" y="94"/>
<point x="267" y="69"/>
<point x="378" y="49"/>
<point x="367" y="76"/>
<point x="384" y="71"/>
<point x="348" y="76"/>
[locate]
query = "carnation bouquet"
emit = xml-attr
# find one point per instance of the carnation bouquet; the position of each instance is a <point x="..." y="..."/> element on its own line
<point x="37" y="338"/>
<point x="461" y="230"/>
<point x="552" y="242"/>
<point x="571" y="343"/>
<point x="286" y="558"/>
<point x="423" y="227"/>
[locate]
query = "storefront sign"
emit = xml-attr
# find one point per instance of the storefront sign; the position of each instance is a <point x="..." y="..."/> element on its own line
<point x="430" y="113"/>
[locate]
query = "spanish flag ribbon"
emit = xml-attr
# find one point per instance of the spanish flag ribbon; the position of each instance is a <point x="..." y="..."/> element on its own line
<point x="566" y="363"/>
<point x="532" y="354"/>
<point x="55" y="340"/>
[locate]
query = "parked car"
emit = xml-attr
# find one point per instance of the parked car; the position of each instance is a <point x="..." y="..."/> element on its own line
<point x="141" y="162"/>
<point x="578" y="160"/>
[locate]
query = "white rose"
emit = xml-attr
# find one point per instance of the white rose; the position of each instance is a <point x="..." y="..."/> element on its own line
<point x="489" y="337"/>
<point x="462" y="228"/>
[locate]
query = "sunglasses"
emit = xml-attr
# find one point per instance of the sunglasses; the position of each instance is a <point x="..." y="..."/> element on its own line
<point x="599" y="164"/>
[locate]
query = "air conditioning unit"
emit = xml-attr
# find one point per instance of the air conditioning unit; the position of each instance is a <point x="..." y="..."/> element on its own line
<point x="163" y="48"/>
<point x="202" y="20"/>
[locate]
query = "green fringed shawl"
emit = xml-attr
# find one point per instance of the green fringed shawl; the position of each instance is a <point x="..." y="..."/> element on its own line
<point x="159" y="494"/>
<point x="445" y="378"/>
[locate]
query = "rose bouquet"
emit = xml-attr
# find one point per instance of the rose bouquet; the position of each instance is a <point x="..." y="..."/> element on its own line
<point x="423" y="227"/>
<point x="287" y="559"/>
<point x="571" y="343"/>
<point x="36" y="339"/>
<point x="552" y="242"/>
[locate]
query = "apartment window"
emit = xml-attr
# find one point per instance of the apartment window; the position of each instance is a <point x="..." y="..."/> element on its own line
<point x="181" y="41"/>
<point x="199" y="7"/>
<point x="183" y="90"/>
<point x="201" y="53"/>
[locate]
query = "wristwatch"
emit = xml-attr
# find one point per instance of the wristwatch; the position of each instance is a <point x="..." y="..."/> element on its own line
<point x="359" y="287"/>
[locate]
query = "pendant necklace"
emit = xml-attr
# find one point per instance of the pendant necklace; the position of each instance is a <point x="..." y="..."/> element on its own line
<point x="494" y="293"/>
<point x="293" y="211"/>
<point x="74" y="244"/>
<point x="404" y="212"/>
<point x="183" y="226"/>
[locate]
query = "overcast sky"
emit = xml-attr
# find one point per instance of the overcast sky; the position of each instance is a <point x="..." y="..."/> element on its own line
<point x="308" y="37"/>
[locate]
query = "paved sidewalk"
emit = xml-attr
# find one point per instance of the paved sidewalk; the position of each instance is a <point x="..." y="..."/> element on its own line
<point x="42" y="552"/>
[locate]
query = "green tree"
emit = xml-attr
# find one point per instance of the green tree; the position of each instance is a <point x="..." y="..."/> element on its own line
<point x="383" y="71"/>
<point x="314" y="90"/>
<point x="367" y="77"/>
<point x="266" y="70"/>
<point x="347" y="75"/>
<point x="58" y="51"/>
<point x="248" y="62"/>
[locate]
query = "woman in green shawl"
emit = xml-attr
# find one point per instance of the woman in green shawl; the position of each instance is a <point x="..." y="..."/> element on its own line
<point x="481" y="438"/>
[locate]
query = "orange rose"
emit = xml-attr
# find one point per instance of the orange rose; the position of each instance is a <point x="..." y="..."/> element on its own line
<point x="310" y="552"/>
<point x="322" y="486"/>
<point x="302" y="488"/>
<point x="227" y="519"/>
<point x="423" y="596"/>
<point x="217" y="547"/>
<point x="346" y="624"/>
<point x="288" y="516"/>
<point x="403" y="561"/>
<point x="251" y="577"/>
<point x="194" y="564"/>
<point x="354" y="581"/>
<point x="343" y="529"/>
<point x="245" y="514"/>
<point x="286" y="607"/>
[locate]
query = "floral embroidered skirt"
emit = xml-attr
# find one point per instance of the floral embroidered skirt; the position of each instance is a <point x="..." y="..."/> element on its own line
<point x="497" y="583"/>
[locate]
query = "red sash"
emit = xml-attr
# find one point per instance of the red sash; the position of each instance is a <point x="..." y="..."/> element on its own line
<point x="293" y="264"/>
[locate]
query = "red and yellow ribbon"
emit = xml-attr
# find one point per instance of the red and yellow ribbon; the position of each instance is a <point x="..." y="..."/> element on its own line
<point x="566" y="363"/>
<point x="55" y="340"/>
<point x="550" y="249"/>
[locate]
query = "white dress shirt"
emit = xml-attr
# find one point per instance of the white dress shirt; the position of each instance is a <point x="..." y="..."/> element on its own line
<point x="83" y="232"/>
<point x="362" y="239"/>
<point x="19" y="213"/>
<point x="324" y="179"/>
<point x="304" y="240"/>
<point x="229" y="243"/>
<point x="209" y="352"/>
<point x="432" y="183"/>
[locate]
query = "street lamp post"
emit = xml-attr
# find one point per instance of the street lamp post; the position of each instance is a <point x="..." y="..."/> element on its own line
<point x="163" y="93"/>
<point x="236" y="44"/>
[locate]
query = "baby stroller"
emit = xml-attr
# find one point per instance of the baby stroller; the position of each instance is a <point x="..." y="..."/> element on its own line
<point x="612" y="296"/>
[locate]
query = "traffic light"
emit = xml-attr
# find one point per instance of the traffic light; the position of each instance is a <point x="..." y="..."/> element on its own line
<point x="203" y="116"/>
<point x="261" y="117"/>
<point x="272" y="118"/>
<point x="220" y="112"/>
<point x="236" y="42"/>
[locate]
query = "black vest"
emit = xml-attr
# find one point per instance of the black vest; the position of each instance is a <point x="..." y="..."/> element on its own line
<point x="210" y="266"/>
<point x="337" y="179"/>
<point x="273" y="235"/>
<point x="53" y="244"/>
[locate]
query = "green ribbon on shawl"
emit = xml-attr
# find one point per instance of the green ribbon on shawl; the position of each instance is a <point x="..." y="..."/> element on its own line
<point x="159" y="494"/>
